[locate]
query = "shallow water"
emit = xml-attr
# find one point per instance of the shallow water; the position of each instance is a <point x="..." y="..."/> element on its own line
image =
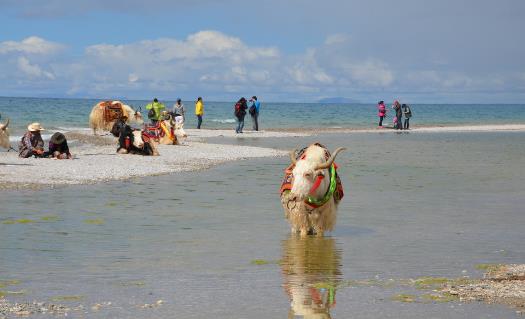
<point x="215" y="243"/>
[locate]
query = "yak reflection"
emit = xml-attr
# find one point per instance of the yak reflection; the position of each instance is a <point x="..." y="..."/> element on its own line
<point x="311" y="272"/>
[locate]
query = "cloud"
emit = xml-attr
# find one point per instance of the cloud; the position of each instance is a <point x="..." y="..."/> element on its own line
<point x="31" y="45"/>
<point x="221" y="66"/>
<point x="32" y="70"/>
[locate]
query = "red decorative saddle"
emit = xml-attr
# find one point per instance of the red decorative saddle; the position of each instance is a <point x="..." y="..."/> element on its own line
<point x="112" y="110"/>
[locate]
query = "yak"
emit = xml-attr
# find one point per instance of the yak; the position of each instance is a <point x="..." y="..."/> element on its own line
<point x="105" y="113"/>
<point x="4" y="135"/>
<point x="311" y="190"/>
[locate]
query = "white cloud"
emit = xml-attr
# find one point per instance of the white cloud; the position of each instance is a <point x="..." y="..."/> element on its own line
<point x="32" y="70"/>
<point x="31" y="45"/>
<point x="212" y="63"/>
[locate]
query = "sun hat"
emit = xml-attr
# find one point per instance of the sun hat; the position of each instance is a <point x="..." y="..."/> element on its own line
<point x="34" y="127"/>
<point x="57" y="138"/>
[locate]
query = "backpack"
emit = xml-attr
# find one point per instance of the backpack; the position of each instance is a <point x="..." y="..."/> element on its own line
<point x="408" y="112"/>
<point x="151" y="114"/>
<point x="237" y="109"/>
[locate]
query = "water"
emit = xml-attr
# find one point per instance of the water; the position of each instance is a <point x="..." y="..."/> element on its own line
<point x="431" y="204"/>
<point x="65" y="114"/>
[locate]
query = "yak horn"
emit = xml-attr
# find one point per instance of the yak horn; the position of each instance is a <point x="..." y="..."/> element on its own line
<point x="292" y="156"/>
<point x="3" y="127"/>
<point x="329" y="162"/>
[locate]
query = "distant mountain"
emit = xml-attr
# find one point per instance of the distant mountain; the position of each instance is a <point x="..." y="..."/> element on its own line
<point x="338" y="100"/>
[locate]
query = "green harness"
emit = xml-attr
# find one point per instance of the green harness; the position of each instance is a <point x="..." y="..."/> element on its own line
<point x="312" y="201"/>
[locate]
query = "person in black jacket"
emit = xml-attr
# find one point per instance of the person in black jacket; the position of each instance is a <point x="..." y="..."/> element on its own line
<point x="240" y="113"/>
<point x="399" y="115"/>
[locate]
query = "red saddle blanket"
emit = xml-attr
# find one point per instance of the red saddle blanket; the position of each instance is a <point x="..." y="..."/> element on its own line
<point x="112" y="111"/>
<point x="158" y="130"/>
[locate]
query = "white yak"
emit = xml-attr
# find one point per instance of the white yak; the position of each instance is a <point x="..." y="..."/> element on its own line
<point x="105" y="113"/>
<point x="311" y="190"/>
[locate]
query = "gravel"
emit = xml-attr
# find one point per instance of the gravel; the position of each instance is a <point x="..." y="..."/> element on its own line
<point x="96" y="160"/>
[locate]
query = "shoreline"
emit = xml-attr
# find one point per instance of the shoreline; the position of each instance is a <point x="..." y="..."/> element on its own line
<point x="96" y="160"/>
<point x="415" y="129"/>
<point x="309" y="131"/>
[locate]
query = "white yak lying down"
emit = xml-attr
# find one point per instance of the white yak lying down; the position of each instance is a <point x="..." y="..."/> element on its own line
<point x="4" y="135"/>
<point x="311" y="190"/>
<point x="105" y="113"/>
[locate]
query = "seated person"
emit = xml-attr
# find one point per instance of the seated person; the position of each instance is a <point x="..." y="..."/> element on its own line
<point x="32" y="143"/>
<point x="58" y="147"/>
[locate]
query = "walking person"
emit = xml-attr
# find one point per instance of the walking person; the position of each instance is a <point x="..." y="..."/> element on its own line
<point x="381" y="112"/>
<point x="199" y="111"/>
<point x="399" y="113"/>
<point x="254" y="112"/>
<point x="240" y="113"/>
<point x="408" y="114"/>
<point x="155" y="110"/>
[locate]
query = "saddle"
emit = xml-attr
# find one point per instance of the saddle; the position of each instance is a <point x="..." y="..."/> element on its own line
<point x="112" y="110"/>
<point x="158" y="130"/>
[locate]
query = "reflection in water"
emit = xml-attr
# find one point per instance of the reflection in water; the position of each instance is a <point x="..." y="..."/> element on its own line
<point x="311" y="272"/>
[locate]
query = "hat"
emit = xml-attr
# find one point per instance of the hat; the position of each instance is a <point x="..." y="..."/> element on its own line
<point x="57" y="138"/>
<point x="34" y="127"/>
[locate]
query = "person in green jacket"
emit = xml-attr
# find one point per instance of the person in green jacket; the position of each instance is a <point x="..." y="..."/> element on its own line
<point x="157" y="108"/>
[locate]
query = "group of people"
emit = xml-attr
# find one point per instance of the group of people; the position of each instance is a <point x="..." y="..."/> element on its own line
<point x="156" y="109"/>
<point x="400" y="111"/>
<point x="32" y="144"/>
<point x="178" y="111"/>
<point x="240" y="112"/>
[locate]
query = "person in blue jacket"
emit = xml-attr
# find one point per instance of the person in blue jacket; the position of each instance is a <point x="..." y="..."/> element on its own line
<point x="254" y="112"/>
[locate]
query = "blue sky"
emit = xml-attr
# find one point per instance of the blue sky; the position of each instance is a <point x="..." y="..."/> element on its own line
<point x="468" y="51"/>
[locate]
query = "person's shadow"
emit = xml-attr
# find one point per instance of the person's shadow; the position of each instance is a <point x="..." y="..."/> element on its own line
<point x="311" y="274"/>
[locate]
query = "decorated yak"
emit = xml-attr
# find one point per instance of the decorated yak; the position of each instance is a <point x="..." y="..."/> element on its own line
<point x="133" y="141"/>
<point x="166" y="131"/>
<point x="105" y="113"/>
<point x="311" y="190"/>
<point x="143" y="144"/>
<point x="4" y="135"/>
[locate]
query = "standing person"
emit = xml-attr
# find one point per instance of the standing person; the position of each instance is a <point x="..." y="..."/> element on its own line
<point x="199" y="111"/>
<point x="408" y="114"/>
<point x="240" y="113"/>
<point x="58" y="147"/>
<point x="32" y="143"/>
<point x="155" y="110"/>
<point x="178" y="109"/>
<point x="399" y="113"/>
<point x="381" y="112"/>
<point x="254" y="112"/>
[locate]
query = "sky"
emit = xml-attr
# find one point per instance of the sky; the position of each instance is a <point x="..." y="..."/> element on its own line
<point x="432" y="51"/>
